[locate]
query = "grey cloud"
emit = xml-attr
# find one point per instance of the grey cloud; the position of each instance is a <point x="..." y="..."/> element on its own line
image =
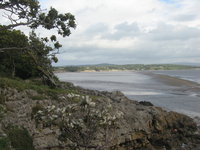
<point x="145" y="52"/>
<point x="96" y="29"/>
<point x="165" y="44"/>
<point x="125" y="27"/>
<point x="78" y="49"/>
<point x="170" y="33"/>
<point x="123" y="30"/>
<point x="185" y="17"/>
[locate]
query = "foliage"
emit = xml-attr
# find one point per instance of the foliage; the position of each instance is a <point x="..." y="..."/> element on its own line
<point x="20" y="138"/>
<point x="29" y="13"/>
<point x="38" y="97"/>
<point x="42" y="56"/>
<point x="80" y="123"/>
<point x="33" y="61"/>
<point x="15" y="62"/>
<point x="35" y="109"/>
<point x="27" y="57"/>
<point x="2" y="111"/>
<point x="4" y="143"/>
<point x="2" y="99"/>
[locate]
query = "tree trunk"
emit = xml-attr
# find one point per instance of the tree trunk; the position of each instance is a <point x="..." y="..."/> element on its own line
<point x="46" y="75"/>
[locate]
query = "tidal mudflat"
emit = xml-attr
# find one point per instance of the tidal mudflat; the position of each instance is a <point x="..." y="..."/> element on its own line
<point x="173" y="90"/>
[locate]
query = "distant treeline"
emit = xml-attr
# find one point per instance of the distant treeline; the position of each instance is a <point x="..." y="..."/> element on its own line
<point x="110" y="67"/>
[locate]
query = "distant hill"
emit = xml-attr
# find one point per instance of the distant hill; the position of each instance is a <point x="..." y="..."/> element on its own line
<point x="113" y="67"/>
<point x="189" y="64"/>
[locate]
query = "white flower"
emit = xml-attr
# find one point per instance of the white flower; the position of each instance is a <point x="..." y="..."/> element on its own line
<point x="55" y="116"/>
<point x="40" y="112"/>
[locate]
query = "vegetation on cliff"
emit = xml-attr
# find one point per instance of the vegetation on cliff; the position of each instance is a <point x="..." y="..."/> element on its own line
<point x="74" y="118"/>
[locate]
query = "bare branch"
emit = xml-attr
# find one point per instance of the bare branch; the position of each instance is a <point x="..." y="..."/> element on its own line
<point x="15" y="25"/>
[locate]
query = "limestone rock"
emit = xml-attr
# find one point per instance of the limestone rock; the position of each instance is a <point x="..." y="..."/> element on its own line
<point x="142" y="127"/>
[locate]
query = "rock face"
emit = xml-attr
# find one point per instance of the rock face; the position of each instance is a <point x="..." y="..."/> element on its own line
<point x="133" y="125"/>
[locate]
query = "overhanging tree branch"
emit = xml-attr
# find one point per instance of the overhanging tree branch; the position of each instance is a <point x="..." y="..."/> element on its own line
<point x="28" y="13"/>
<point x="15" y="25"/>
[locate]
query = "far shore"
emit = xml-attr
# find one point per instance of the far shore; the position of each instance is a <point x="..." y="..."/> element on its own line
<point x="113" y="70"/>
<point x="116" y="70"/>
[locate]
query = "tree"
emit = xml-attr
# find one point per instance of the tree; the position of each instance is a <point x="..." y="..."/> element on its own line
<point x="42" y="56"/>
<point x="29" y="13"/>
<point x="9" y="60"/>
<point x="29" y="57"/>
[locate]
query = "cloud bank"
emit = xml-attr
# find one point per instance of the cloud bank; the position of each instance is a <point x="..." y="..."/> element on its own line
<point x="131" y="31"/>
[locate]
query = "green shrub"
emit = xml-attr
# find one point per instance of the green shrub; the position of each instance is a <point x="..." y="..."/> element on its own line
<point x="38" y="97"/>
<point x="20" y="138"/>
<point x="2" y="99"/>
<point x="35" y="109"/>
<point x="4" y="143"/>
<point x="2" y="111"/>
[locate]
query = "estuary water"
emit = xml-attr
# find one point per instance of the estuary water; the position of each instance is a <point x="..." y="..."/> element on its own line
<point x="173" y="90"/>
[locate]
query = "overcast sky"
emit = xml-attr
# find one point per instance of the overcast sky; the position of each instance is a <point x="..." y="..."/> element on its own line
<point x="130" y="31"/>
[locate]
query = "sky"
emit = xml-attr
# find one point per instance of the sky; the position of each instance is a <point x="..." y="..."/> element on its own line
<point x="130" y="31"/>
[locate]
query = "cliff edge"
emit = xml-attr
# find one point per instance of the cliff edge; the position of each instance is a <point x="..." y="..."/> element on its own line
<point x="33" y="116"/>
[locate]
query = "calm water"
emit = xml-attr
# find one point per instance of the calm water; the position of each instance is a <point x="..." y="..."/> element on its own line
<point x="141" y="87"/>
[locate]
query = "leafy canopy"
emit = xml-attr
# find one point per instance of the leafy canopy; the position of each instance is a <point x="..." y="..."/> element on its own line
<point x="31" y="56"/>
<point x="29" y="13"/>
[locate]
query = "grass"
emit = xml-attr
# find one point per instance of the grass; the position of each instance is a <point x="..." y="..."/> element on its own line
<point x="24" y="85"/>
<point x="42" y="89"/>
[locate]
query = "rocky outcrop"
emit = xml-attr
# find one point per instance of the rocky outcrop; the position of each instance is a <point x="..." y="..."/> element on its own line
<point x="114" y="122"/>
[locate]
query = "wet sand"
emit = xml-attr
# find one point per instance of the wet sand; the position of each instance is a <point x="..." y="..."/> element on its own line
<point x="183" y="85"/>
<point x="171" y="93"/>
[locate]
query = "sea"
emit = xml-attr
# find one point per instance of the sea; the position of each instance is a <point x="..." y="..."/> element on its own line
<point x="143" y="86"/>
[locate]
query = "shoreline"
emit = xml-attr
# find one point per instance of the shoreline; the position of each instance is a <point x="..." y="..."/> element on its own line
<point x="116" y="70"/>
<point x="182" y="85"/>
<point x="174" y="81"/>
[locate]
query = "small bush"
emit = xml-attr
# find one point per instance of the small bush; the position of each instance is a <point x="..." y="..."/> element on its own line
<point x="20" y="138"/>
<point x="2" y="99"/>
<point x="4" y="143"/>
<point x="38" y="97"/>
<point x="2" y="111"/>
<point x="35" y="109"/>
